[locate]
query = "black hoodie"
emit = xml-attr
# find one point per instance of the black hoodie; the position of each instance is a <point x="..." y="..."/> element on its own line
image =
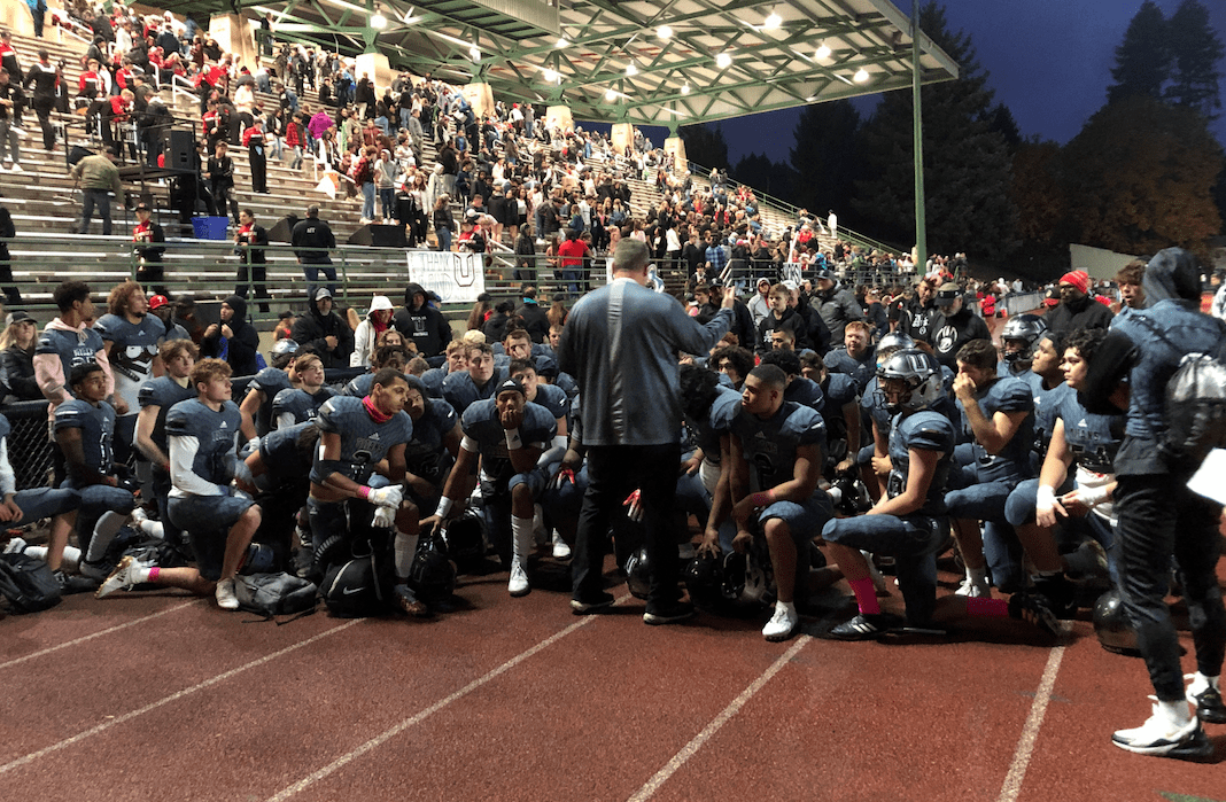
<point x="313" y="328"/>
<point x="242" y="346"/>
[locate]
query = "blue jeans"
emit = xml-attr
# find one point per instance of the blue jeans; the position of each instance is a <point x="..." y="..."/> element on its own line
<point x="368" y="200"/>
<point x="444" y="238"/>
<point x="387" y="199"/>
<point x="312" y="271"/>
<point x="101" y="198"/>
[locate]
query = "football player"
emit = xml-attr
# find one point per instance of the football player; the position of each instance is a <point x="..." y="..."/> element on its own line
<point x="302" y="403"/>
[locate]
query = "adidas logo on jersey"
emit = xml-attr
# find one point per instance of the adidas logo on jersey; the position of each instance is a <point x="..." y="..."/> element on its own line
<point x="223" y="425"/>
<point x="1082" y="423"/>
<point x="374" y="436"/>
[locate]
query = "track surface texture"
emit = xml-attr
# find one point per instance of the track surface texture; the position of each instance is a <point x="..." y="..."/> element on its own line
<point x="151" y="696"/>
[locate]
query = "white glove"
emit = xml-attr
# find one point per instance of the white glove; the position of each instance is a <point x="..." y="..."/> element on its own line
<point x="635" y="505"/>
<point x="390" y="496"/>
<point x="385" y="518"/>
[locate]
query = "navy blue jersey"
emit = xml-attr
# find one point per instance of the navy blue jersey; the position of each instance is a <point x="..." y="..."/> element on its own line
<point x="1093" y="440"/>
<point x="1004" y="395"/>
<point x="97" y="425"/>
<point x="923" y="431"/>
<point x="269" y="381"/>
<point x="805" y="392"/>
<point x="433" y="379"/>
<point x="862" y="370"/>
<point x="873" y="403"/>
<point x="359" y="386"/>
<point x="576" y="422"/>
<point x="162" y="393"/>
<point x="1047" y="404"/>
<point x="215" y="433"/>
<point x="283" y="459"/>
<point x="481" y="425"/>
<point x="724" y="410"/>
<point x="568" y="384"/>
<point x="769" y="446"/>
<point x="134" y="346"/>
<point x="461" y="391"/>
<point x="299" y="403"/>
<point x="424" y="452"/>
<point x="71" y="347"/>
<point x="364" y="441"/>
<point x="840" y="389"/>
<point x="553" y="399"/>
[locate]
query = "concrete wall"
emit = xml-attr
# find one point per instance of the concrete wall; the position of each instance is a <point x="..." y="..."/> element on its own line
<point x="1100" y="263"/>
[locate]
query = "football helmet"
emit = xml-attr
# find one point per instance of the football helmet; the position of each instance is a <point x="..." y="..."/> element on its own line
<point x="704" y="579"/>
<point x="638" y="574"/>
<point x="922" y="374"/>
<point x="1023" y="328"/>
<point x="894" y="341"/>
<point x="748" y="578"/>
<point x="1112" y="626"/>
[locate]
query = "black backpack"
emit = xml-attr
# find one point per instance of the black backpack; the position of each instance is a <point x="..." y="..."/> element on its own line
<point x="357" y="588"/>
<point x="1196" y="410"/>
<point x="275" y="594"/>
<point x="28" y="584"/>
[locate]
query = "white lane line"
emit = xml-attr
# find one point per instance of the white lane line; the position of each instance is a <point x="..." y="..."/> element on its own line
<point x="422" y="715"/>
<point x="98" y="634"/>
<point x="689" y="750"/>
<point x="208" y="683"/>
<point x="1030" y="732"/>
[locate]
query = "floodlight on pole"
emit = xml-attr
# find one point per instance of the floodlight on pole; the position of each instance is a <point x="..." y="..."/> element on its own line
<point x="378" y="21"/>
<point x="610" y="95"/>
<point x="562" y="43"/>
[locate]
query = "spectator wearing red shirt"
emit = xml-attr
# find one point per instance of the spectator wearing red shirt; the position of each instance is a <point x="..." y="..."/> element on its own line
<point x="572" y="254"/>
<point x="253" y="139"/>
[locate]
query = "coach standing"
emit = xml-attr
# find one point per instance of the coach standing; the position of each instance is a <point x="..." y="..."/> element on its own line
<point x="621" y="343"/>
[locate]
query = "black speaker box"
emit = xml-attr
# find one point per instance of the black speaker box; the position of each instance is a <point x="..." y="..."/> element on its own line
<point x="77" y="153"/>
<point x="177" y="147"/>
<point x="379" y="236"/>
<point x="283" y="229"/>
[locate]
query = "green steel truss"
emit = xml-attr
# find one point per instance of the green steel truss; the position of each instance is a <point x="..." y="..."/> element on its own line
<point x="513" y="45"/>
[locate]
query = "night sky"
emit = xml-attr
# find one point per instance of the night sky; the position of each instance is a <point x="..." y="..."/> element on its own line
<point x="1049" y="61"/>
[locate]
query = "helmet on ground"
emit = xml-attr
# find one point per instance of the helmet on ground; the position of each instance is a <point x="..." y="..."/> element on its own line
<point x="432" y="574"/>
<point x="1112" y="626"/>
<point x="638" y="574"/>
<point x="704" y="579"/>
<point x="1024" y="329"/>
<point x="922" y="374"/>
<point x="748" y="578"/>
<point x="465" y="538"/>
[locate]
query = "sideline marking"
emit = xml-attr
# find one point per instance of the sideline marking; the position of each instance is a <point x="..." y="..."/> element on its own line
<point x="98" y="634"/>
<point x="734" y="707"/>
<point x="417" y="718"/>
<point x="1030" y="732"/>
<point x="106" y="725"/>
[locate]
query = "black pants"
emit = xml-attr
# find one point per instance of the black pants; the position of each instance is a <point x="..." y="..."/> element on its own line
<point x="43" y="104"/>
<point x="254" y="273"/>
<point x="1158" y="517"/>
<point x="259" y="169"/>
<point x="614" y="472"/>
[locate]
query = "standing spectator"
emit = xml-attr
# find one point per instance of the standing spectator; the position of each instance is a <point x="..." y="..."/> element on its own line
<point x="11" y="100"/>
<point x="147" y="234"/>
<point x="325" y="331"/>
<point x="233" y="339"/>
<point x="572" y="255"/>
<point x="7" y="232"/>
<point x="631" y="412"/>
<point x="8" y="57"/>
<point x="535" y="320"/>
<point x="251" y="239"/>
<point x="385" y="183"/>
<point x="421" y="324"/>
<point x="444" y="223"/>
<point x="221" y="181"/>
<point x="837" y="306"/>
<point x="98" y="177"/>
<point x="43" y="76"/>
<point x="312" y="238"/>
<point x="364" y="177"/>
<point x="1077" y="309"/>
<point x="253" y="139"/>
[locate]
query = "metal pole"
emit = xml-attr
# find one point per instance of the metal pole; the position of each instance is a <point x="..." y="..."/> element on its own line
<point x="917" y="128"/>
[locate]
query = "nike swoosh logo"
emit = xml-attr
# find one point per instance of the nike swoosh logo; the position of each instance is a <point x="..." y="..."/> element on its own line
<point x="351" y="591"/>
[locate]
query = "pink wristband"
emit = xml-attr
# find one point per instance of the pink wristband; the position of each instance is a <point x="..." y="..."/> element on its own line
<point x="364" y="492"/>
<point x="763" y="498"/>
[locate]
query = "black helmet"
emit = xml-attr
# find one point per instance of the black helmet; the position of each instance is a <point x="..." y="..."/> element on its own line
<point x="1112" y="626"/>
<point x="922" y="373"/>
<point x="1023" y="328"/>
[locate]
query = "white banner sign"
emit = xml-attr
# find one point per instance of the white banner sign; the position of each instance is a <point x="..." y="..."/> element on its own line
<point x="458" y="278"/>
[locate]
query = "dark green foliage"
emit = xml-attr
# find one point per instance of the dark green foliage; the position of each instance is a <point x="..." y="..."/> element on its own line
<point x="1196" y="80"/>
<point x="705" y="145"/>
<point x="1143" y="59"/>
<point x="825" y="157"/>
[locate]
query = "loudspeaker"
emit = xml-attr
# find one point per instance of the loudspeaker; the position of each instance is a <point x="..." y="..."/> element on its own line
<point x="77" y="153"/>
<point x="379" y="236"/>
<point x="177" y="147"/>
<point x="283" y="229"/>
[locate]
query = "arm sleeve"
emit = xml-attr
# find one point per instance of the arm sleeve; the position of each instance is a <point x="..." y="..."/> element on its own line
<point x="182" y="454"/>
<point x="49" y="373"/>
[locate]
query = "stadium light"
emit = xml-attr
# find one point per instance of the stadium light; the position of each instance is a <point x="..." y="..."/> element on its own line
<point x="631" y="70"/>
<point x="549" y="75"/>
<point x="723" y="60"/>
<point x="861" y="76"/>
<point x="773" y="21"/>
<point x="823" y="51"/>
<point x="664" y="32"/>
<point x="685" y="88"/>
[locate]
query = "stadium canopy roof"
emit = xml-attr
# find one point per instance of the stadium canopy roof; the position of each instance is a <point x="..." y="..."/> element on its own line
<point x="650" y="62"/>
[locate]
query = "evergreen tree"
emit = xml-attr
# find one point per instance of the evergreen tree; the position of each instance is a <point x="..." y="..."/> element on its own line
<point x="705" y="145"/>
<point x="967" y="172"/>
<point x="1141" y="176"/>
<point x="764" y="175"/>
<point x="1143" y="59"/>
<point x="825" y="158"/>
<point x="1042" y="207"/>
<point x="1000" y="120"/>
<point x="1196" y="80"/>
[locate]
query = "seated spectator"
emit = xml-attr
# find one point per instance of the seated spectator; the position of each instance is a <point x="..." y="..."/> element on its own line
<point x="17" y="358"/>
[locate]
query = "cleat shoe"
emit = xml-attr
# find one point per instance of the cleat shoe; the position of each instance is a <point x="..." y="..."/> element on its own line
<point x="1158" y="737"/>
<point x="518" y="586"/>
<point x="582" y="607"/>
<point x="974" y="590"/>
<point x="122" y="578"/>
<point x="226" y="599"/>
<point x="1033" y="609"/>
<point x="95" y="570"/>
<point x="561" y="551"/>
<point x="667" y="612"/>
<point x="80" y="584"/>
<point x="408" y="602"/>
<point x="782" y="624"/>
<point x="1209" y="707"/>
<point x="865" y="626"/>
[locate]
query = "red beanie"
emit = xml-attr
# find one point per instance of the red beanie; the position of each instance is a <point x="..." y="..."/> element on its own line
<point x="1079" y="279"/>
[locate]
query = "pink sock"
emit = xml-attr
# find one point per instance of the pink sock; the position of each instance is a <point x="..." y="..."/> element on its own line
<point x="866" y="595"/>
<point x="987" y="608"/>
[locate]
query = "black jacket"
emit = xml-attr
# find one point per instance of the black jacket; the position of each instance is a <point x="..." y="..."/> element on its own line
<point x="426" y="327"/>
<point x="18" y="368"/>
<point x="312" y="328"/>
<point x="242" y="346"/>
<point x="536" y="321"/>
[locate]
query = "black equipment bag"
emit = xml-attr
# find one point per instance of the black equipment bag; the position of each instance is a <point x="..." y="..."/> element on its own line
<point x="28" y="584"/>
